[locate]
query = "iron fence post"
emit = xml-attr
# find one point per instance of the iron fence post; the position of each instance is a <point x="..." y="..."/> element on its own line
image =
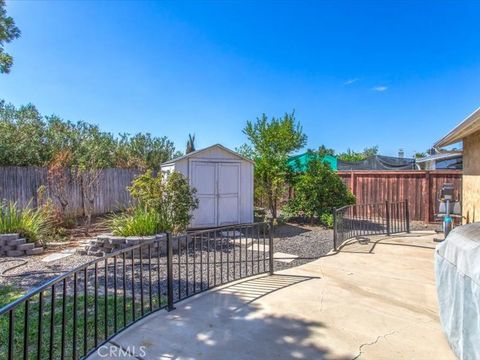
<point x="270" y="246"/>
<point x="334" y="229"/>
<point x="170" y="306"/>
<point x="387" y="214"/>
<point x="407" y="216"/>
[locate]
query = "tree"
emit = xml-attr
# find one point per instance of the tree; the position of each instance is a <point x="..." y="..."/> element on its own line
<point x="323" y="151"/>
<point x="93" y="153"/>
<point x="22" y="136"/>
<point x="317" y="191"/>
<point x="8" y="32"/>
<point x="29" y="139"/>
<point x="353" y="156"/>
<point x="190" y="144"/>
<point x="143" y="151"/>
<point x="271" y="142"/>
<point x="58" y="178"/>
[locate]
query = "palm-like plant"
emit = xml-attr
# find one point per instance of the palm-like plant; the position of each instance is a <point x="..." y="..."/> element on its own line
<point x="190" y="144"/>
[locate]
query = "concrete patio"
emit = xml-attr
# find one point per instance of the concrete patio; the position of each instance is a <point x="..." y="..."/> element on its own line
<point x="370" y="301"/>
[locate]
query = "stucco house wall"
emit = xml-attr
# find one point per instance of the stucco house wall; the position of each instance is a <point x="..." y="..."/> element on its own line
<point x="471" y="178"/>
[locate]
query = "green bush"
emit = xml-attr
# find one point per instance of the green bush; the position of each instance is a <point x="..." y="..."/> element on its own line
<point x="316" y="192"/>
<point x="160" y="204"/>
<point x="326" y="219"/>
<point x="30" y="223"/>
<point x="137" y="222"/>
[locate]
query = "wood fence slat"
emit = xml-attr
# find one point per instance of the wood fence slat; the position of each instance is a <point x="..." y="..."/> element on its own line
<point x="21" y="184"/>
<point x="419" y="187"/>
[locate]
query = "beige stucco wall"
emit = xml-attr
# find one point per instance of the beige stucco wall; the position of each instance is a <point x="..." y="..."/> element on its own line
<point x="471" y="177"/>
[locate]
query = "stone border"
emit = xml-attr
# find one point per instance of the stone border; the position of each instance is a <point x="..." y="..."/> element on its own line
<point x="12" y="245"/>
<point x="108" y="243"/>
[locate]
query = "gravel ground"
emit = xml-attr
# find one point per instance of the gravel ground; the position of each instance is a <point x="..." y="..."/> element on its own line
<point x="33" y="272"/>
<point x="308" y="243"/>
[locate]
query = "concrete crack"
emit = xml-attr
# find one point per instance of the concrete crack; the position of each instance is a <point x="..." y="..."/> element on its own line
<point x="321" y="299"/>
<point x="372" y="343"/>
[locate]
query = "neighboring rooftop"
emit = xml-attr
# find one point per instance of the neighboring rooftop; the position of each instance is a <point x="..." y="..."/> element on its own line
<point x="299" y="163"/>
<point x="440" y="156"/>
<point x="467" y="127"/>
<point x="378" y="162"/>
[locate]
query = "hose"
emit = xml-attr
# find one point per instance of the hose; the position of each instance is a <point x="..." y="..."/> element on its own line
<point x="23" y="263"/>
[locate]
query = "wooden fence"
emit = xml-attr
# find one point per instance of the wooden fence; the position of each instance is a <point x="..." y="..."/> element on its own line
<point x="421" y="188"/>
<point x="21" y="184"/>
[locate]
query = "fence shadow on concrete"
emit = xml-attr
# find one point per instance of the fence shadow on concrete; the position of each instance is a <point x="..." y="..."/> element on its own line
<point x="229" y="323"/>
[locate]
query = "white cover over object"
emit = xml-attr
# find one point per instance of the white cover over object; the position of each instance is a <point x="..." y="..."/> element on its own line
<point x="457" y="268"/>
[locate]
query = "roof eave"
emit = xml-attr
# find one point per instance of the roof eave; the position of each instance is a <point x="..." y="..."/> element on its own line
<point x="170" y="162"/>
<point x="467" y="127"/>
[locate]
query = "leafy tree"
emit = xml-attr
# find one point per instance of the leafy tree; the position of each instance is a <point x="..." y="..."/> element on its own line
<point x="60" y="136"/>
<point x="29" y="139"/>
<point x="143" y="151"/>
<point x="58" y="178"/>
<point x="271" y="142"/>
<point x="22" y="133"/>
<point x="323" y="151"/>
<point x="317" y="191"/>
<point x="190" y="144"/>
<point x="353" y="156"/>
<point x="246" y="151"/>
<point x="8" y="32"/>
<point x="418" y="155"/>
<point x="94" y="151"/>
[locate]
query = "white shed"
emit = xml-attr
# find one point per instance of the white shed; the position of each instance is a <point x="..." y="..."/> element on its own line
<point x="224" y="183"/>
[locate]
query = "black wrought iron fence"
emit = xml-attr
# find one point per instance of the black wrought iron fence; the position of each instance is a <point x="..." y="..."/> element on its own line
<point x="370" y="219"/>
<point x="75" y="313"/>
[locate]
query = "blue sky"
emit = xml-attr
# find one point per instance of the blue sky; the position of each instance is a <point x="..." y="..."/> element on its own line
<point x="393" y="74"/>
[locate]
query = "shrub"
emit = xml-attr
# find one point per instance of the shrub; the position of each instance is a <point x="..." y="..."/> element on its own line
<point x="137" y="222"/>
<point x="326" y="219"/>
<point x="317" y="191"/>
<point x="180" y="201"/>
<point x="30" y="223"/>
<point x="167" y="200"/>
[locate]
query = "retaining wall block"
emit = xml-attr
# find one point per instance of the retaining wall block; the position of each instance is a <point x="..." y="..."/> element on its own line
<point x="13" y="245"/>
<point x="15" y="253"/>
<point x="35" y="251"/>
<point x="16" y="242"/>
<point x="7" y="237"/>
<point x="116" y="240"/>
<point x="27" y="246"/>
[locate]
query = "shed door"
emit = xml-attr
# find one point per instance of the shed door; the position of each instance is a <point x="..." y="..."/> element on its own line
<point x="228" y="194"/>
<point x="218" y="192"/>
<point x="204" y="180"/>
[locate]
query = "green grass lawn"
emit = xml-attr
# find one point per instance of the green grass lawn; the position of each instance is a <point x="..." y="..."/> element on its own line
<point x="8" y="294"/>
<point x="74" y="340"/>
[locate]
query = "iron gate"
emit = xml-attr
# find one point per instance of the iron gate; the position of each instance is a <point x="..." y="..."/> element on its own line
<point x="370" y="219"/>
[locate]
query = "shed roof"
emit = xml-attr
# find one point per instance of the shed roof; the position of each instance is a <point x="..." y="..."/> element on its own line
<point x="196" y="152"/>
<point x="467" y="127"/>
